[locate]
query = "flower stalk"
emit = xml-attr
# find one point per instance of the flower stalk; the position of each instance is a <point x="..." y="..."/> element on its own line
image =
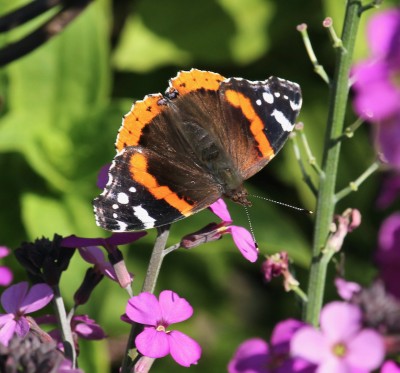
<point x="149" y="284"/>
<point x="326" y="193"/>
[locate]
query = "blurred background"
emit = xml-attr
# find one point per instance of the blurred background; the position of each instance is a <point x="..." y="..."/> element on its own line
<point x="61" y="107"/>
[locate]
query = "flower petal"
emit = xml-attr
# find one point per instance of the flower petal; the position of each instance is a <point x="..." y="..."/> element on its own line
<point x="144" y="309"/>
<point x="6" y="276"/>
<point x="5" y="318"/>
<point x="335" y="365"/>
<point x="283" y="333"/>
<point x="309" y="344"/>
<point x="13" y="296"/>
<point x="7" y="331"/>
<point x="346" y="289"/>
<point x="123" y="238"/>
<point x="38" y="296"/>
<point x="91" y="332"/>
<point x="22" y="327"/>
<point x="366" y="350"/>
<point x="244" y="242"/>
<point x="390" y="367"/>
<point x="376" y="96"/>
<point x="92" y="254"/>
<point x="173" y="308"/>
<point x="220" y="209"/>
<point x="184" y="350"/>
<point x="250" y="356"/>
<point x="152" y="343"/>
<point x="4" y="251"/>
<point x="102" y="177"/>
<point x="381" y="30"/>
<point x="389" y="139"/>
<point x="340" y="321"/>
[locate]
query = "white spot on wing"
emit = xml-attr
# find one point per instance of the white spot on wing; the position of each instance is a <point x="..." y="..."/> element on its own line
<point x="295" y="106"/>
<point x="132" y="189"/>
<point x="115" y="206"/>
<point x="115" y="215"/>
<point x="123" y="198"/>
<point x="282" y="120"/>
<point x="258" y="102"/>
<point x="268" y="97"/>
<point x="277" y="94"/>
<point x="121" y="226"/>
<point x="143" y="216"/>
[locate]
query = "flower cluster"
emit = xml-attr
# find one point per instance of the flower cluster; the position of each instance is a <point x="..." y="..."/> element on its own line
<point x="341" y="344"/>
<point x="377" y="83"/>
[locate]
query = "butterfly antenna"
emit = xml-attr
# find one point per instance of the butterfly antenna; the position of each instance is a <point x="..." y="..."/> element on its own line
<point x="250" y="224"/>
<point x="283" y="204"/>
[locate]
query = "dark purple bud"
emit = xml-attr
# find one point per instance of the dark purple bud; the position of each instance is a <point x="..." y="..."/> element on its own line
<point x="91" y="280"/>
<point x="211" y="232"/>
<point x="44" y="259"/>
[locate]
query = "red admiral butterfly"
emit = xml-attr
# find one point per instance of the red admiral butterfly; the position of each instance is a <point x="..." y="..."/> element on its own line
<point x="181" y="151"/>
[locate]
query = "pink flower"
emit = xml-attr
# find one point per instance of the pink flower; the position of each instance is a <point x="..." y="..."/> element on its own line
<point x="256" y="356"/>
<point x="157" y="315"/>
<point x="116" y="269"/>
<point x="347" y="289"/>
<point x="341" y="345"/>
<point x="378" y="95"/>
<point x="6" y="275"/>
<point x="17" y="301"/>
<point x="376" y="83"/>
<point x="390" y="367"/>
<point x="278" y="265"/>
<point x="390" y="191"/>
<point x="388" y="254"/>
<point x="94" y="255"/>
<point x="241" y="236"/>
<point x="81" y="327"/>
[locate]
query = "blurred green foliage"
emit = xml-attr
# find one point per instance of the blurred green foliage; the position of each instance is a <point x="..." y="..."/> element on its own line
<point x="61" y="107"/>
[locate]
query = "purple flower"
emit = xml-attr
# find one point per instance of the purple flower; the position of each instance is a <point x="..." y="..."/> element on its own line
<point x="390" y="191"/>
<point x="388" y="254"/>
<point x="256" y="356"/>
<point x="81" y="326"/>
<point x="347" y="289"/>
<point x="157" y="315"/>
<point x="278" y="265"/>
<point x="341" y="345"/>
<point x="376" y="82"/>
<point x="241" y="236"/>
<point x="378" y="94"/>
<point x="390" y="367"/>
<point x="116" y="270"/>
<point x="6" y="275"/>
<point x="102" y="177"/>
<point x="114" y="240"/>
<point x="94" y="255"/>
<point x="17" y="301"/>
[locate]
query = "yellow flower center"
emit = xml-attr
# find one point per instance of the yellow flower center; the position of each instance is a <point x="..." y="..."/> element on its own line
<point x="160" y="328"/>
<point x="339" y="349"/>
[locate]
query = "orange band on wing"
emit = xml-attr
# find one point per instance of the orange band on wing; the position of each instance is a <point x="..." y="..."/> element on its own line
<point x="141" y="114"/>
<point x="243" y="103"/>
<point x="189" y="81"/>
<point x="138" y="169"/>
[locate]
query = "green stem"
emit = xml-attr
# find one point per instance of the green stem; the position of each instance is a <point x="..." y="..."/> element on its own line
<point x="149" y="284"/>
<point x="354" y="185"/>
<point x="65" y="326"/>
<point x="326" y="193"/>
<point x="311" y="159"/>
<point x="306" y="176"/>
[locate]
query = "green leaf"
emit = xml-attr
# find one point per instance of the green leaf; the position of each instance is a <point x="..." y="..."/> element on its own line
<point x="182" y="32"/>
<point x="52" y="88"/>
